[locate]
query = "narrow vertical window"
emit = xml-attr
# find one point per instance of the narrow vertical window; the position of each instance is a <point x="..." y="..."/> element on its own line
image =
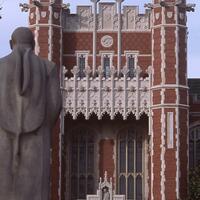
<point x="131" y="65"/>
<point x="81" y="65"/>
<point x="130" y="170"/>
<point x="82" y="164"/>
<point x="106" y="65"/>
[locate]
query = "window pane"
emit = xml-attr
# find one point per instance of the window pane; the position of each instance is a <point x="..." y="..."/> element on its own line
<point x="82" y="155"/>
<point x="106" y="66"/>
<point x="90" y="158"/>
<point x="122" y="185"/>
<point x="138" y="188"/>
<point x="90" y="185"/>
<point x="82" y="188"/>
<point x="122" y="156"/>
<point x="81" y="64"/>
<point x="131" y="66"/>
<point x="82" y="164"/>
<point x="130" y="187"/>
<point x="130" y="156"/>
<point x="74" y="184"/>
<point x="139" y="154"/>
<point x="74" y="156"/>
<point x="191" y="154"/>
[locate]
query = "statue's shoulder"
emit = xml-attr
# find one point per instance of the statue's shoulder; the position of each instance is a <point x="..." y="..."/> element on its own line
<point x="50" y="66"/>
<point x="7" y="59"/>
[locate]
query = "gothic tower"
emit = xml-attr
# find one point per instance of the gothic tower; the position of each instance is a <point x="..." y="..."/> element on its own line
<point x="169" y="101"/>
<point x="45" y="22"/>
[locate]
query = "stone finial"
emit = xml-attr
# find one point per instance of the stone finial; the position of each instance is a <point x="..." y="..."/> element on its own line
<point x="75" y="70"/>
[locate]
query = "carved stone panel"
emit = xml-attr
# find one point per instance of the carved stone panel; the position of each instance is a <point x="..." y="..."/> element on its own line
<point x="85" y="15"/>
<point x="107" y="12"/>
<point x="107" y="19"/>
<point x="130" y="13"/>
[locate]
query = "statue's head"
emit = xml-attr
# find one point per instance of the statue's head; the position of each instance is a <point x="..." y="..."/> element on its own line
<point x="22" y="36"/>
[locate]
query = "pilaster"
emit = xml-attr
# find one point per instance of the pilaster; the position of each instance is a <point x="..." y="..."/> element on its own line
<point x="119" y="36"/>
<point x="94" y="34"/>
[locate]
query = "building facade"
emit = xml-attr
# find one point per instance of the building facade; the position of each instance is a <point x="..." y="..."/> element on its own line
<point x="125" y="97"/>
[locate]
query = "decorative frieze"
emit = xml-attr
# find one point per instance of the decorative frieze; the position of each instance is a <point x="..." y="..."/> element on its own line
<point x="110" y="96"/>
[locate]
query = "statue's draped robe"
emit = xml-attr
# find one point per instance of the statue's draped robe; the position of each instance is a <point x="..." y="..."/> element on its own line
<point x="30" y="102"/>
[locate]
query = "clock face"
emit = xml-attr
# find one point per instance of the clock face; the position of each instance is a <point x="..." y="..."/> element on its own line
<point x="106" y="41"/>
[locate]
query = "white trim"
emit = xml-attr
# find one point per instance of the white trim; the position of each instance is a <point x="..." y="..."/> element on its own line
<point x="119" y="37"/>
<point x="169" y="105"/>
<point x="168" y="25"/>
<point x="45" y="25"/>
<point x="94" y="40"/>
<point x="89" y="54"/>
<point x="50" y="34"/>
<point x="170" y="86"/>
<point x="106" y="31"/>
<point x="37" y="28"/>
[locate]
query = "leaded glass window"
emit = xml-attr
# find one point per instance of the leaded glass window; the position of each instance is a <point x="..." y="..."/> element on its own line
<point x="82" y="164"/>
<point x="130" y="165"/>
<point x="194" y="148"/>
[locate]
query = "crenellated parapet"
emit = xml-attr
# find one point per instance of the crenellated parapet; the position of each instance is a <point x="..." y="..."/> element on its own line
<point x="107" y="18"/>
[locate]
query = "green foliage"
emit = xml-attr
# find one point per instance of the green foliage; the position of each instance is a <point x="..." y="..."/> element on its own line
<point x="194" y="184"/>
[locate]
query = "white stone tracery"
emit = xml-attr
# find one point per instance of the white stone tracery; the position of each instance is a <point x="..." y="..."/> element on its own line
<point x="110" y="96"/>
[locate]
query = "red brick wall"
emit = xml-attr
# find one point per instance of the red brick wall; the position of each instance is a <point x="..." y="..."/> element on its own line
<point x="156" y="153"/>
<point x="74" y="41"/>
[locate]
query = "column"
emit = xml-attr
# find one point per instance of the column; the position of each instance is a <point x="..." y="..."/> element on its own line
<point x="94" y="35"/>
<point x="119" y="36"/>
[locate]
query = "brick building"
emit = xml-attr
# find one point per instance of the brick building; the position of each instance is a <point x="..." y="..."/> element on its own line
<point x="125" y="97"/>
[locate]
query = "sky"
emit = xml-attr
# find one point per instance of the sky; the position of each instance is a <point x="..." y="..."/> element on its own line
<point x="12" y="17"/>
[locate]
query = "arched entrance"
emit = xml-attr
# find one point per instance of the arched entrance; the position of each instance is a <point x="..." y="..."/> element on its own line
<point x="117" y="146"/>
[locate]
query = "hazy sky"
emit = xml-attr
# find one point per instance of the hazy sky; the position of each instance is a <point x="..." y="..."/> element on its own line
<point x="12" y="17"/>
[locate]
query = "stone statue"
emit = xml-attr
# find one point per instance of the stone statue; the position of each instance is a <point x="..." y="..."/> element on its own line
<point x="106" y="194"/>
<point x="30" y="103"/>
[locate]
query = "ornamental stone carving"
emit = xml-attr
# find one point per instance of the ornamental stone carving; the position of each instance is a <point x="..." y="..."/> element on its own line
<point x="107" y="18"/>
<point x="106" y="41"/>
<point x="100" y="95"/>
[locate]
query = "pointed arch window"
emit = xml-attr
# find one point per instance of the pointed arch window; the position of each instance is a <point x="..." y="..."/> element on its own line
<point x="194" y="147"/>
<point x="130" y="165"/>
<point x="82" y="170"/>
